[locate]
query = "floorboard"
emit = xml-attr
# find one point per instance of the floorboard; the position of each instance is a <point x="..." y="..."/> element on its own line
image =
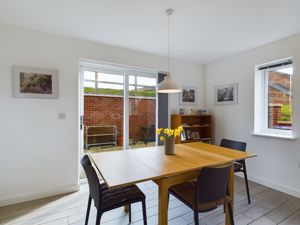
<point x="269" y="207"/>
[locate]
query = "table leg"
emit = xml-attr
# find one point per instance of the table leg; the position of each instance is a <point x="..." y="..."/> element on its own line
<point x="126" y="208"/>
<point x="162" y="202"/>
<point x="231" y="193"/>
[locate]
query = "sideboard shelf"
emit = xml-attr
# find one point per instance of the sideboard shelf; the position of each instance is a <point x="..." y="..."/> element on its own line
<point x="201" y="124"/>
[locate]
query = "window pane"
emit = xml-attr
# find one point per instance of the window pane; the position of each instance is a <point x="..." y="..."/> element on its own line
<point x="89" y="84"/>
<point x="88" y="75"/>
<point x="280" y="98"/>
<point x="146" y="81"/>
<point x="131" y="79"/>
<point x="110" y="78"/>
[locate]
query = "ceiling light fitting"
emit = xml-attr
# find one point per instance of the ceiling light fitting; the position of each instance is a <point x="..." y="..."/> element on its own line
<point x="168" y="85"/>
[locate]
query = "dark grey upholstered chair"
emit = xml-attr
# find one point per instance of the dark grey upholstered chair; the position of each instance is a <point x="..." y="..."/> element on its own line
<point x="239" y="166"/>
<point x="207" y="192"/>
<point x="106" y="199"/>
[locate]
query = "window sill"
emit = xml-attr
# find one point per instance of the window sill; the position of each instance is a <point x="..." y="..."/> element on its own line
<point x="281" y="136"/>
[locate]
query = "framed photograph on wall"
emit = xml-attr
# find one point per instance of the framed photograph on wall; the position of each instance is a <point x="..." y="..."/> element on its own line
<point x="188" y="96"/>
<point x="226" y="94"/>
<point x="34" y="83"/>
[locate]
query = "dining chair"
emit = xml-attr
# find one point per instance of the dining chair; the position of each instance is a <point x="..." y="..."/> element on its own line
<point x="239" y="166"/>
<point x="106" y="199"/>
<point x="207" y="192"/>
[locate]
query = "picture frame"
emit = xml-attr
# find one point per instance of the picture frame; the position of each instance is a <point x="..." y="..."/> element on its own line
<point x="189" y="135"/>
<point x="34" y="83"/>
<point x="226" y="94"/>
<point x="188" y="96"/>
<point x="183" y="135"/>
<point x="196" y="135"/>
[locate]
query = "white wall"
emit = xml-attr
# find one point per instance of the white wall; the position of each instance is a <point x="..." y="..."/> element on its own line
<point x="38" y="152"/>
<point x="277" y="161"/>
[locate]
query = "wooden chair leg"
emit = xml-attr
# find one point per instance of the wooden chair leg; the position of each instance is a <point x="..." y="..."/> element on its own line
<point x="230" y="214"/>
<point x="246" y="183"/>
<point x="144" y="212"/>
<point x="88" y="211"/>
<point x="98" y="219"/>
<point x="196" y="217"/>
<point x="129" y="211"/>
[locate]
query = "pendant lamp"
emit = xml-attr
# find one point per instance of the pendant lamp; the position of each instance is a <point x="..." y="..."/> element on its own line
<point x="168" y="85"/>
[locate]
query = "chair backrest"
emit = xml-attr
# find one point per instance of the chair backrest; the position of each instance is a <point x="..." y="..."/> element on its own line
<point x="237" y="145"/>
<point x="212" y="183"/>
<point x="94" y="184"/>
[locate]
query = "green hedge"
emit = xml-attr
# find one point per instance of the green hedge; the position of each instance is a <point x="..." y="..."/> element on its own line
<point x="107" y="91"/>
<point x="286" y="113"/>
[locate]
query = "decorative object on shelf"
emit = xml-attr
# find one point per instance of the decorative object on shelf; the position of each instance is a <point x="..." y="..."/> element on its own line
<point x="188" y="96"/>
<point x="168" y="136"/>
<point x="34" y="83"/>
<point x="194" y="111"/>
<point x="168" y="85"/>
<point x="181" y="111"/>
<point x="226" y="94"/>
<point x="202" y="111"/>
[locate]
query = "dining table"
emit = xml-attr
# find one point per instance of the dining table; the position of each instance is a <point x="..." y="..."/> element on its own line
<point x="127" y="167"/>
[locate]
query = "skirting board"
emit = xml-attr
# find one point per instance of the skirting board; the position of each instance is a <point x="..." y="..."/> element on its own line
<point x="273" y="185"/>
<point x="34" y="196"/>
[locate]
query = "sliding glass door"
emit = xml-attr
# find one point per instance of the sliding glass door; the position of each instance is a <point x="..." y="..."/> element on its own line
<point x="119" y="108"/>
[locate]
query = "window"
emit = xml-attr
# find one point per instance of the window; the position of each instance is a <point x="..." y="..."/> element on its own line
<point x="103" y="82"/>
<point x="273" y="99"/>
<point x="111" y="83"/>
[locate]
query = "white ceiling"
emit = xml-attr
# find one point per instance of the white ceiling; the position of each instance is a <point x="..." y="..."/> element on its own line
<point x="201" y="30"/>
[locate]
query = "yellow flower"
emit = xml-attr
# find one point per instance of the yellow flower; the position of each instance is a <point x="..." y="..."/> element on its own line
<point x="161" y="138"/>
<point x="166" y="132"/>
<point x="158" y="130"/>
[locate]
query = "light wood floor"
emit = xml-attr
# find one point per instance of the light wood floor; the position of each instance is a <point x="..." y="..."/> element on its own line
<point x="268" y="207"/>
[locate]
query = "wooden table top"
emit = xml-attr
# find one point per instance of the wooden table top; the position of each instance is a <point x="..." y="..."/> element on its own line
<point x="122" y="168"/>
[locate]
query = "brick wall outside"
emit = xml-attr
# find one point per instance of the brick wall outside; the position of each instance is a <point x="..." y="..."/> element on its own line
<point x="275" y="96"/>
<point x="106" y="110"/>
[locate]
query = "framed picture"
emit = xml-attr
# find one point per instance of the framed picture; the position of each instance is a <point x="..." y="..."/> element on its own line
<point x="188" y="96"/>
<point x="189" y="135"/>
<point x="34" y="83"/>
<point x="196" y="135"/>
<point x="226" y="94"/>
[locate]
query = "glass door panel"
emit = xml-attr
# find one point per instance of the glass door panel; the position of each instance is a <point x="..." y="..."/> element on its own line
<point x="103" y="110"/>
<point x="142" y="109"/>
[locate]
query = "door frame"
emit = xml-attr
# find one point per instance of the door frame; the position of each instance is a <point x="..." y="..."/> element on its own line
<point x="83" y="63"/>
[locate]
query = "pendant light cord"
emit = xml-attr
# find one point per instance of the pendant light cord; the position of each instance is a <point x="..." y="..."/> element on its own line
<point x="169" y="44"/>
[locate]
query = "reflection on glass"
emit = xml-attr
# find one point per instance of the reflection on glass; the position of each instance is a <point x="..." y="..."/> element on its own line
<point x="88" y="75"/>
<point x="280" y="98"/>
<point x="142" y="111"/>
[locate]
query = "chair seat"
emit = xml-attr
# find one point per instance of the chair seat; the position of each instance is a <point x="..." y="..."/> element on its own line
<point x="186" y="193"/>
<point x="120" y="196"/>
<point x="238" y="167"/>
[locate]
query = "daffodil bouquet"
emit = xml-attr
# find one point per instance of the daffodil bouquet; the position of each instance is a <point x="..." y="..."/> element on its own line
<point x="166" y="133"/>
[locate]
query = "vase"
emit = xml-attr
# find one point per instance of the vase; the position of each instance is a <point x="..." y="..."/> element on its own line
<point x="169" y="146"/>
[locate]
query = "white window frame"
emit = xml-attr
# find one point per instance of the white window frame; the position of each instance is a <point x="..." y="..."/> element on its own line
<point x="261" y="104"/>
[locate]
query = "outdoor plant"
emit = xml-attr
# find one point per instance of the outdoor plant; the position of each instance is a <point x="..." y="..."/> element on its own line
<point x="286" y="112"/>
<point x="166" y="133"/>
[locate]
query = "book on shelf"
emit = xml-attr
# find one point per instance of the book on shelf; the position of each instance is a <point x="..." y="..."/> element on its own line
<point x="183" y="136"/>
<point x="207" y="140"/>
